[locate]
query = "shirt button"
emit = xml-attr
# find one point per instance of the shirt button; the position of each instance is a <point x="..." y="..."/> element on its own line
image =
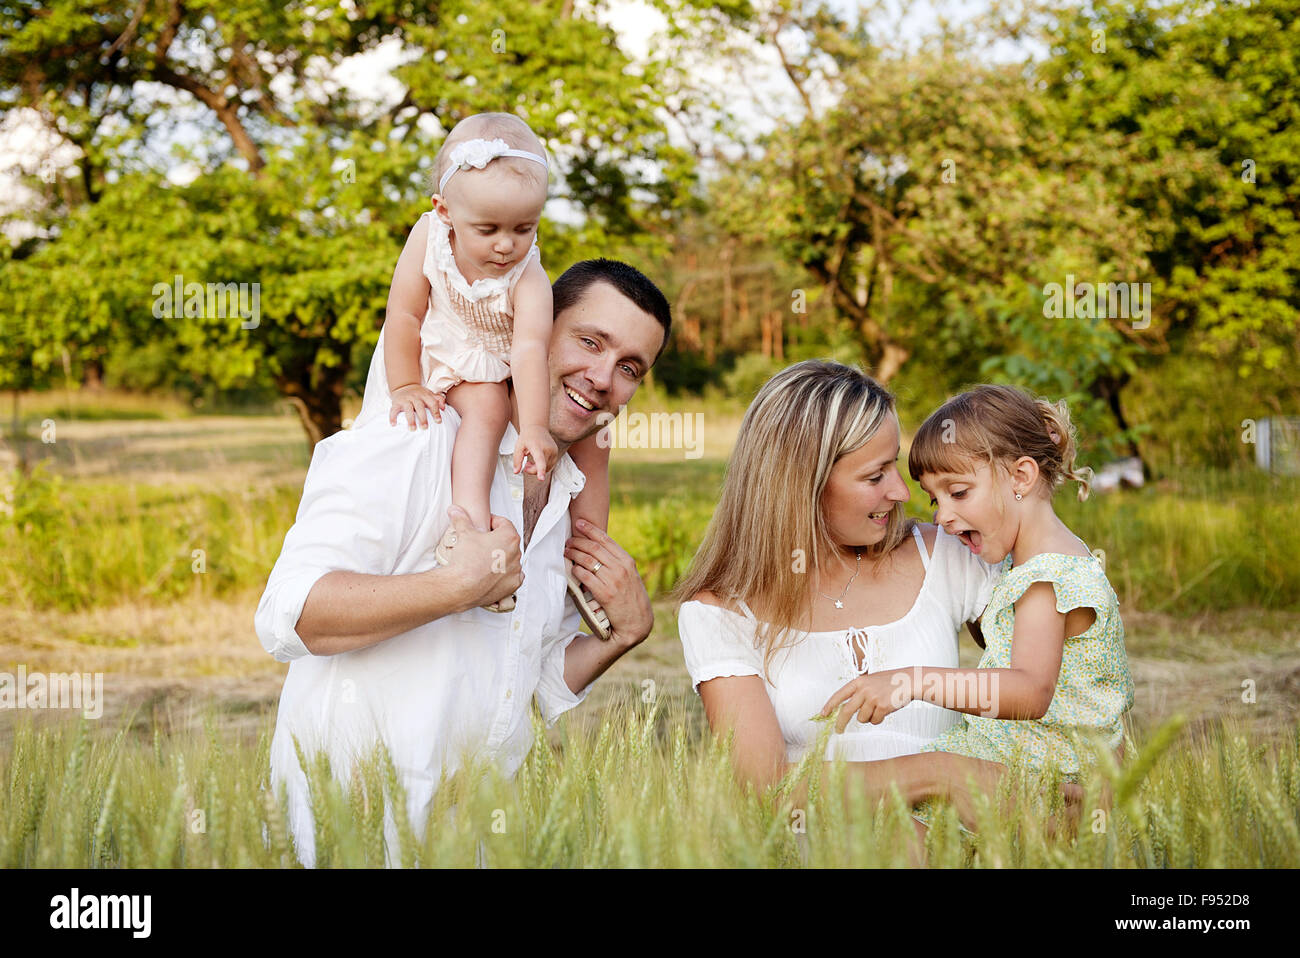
<point x="516" y="494"/>
<point x="509" y="692"/>
<point x="517" y="625"/>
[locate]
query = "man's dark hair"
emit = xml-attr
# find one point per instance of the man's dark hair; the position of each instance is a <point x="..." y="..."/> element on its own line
<point x="628" y="280"/>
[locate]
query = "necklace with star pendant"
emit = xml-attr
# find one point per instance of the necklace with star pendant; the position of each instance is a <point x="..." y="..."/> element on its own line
<point x="839" y="603"/>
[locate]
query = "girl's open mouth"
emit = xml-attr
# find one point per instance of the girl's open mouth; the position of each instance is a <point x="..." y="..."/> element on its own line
<point x="971" y="539"/>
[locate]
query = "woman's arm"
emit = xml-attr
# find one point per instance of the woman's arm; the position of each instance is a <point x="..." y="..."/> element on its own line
<point x="740" y="704"/>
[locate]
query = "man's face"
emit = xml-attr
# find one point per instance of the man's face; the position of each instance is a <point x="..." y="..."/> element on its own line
<point x="601" y="347"/>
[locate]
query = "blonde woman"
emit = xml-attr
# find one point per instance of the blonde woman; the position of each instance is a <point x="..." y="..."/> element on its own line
<point x="810" y="575"/>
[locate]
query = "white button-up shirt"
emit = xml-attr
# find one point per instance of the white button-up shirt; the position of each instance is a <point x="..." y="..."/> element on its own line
<point x="375" y="501"/>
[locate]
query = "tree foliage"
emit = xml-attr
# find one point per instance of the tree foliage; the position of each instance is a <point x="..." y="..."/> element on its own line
<point x="304" y="186"/>
<point x="937" y="197"/>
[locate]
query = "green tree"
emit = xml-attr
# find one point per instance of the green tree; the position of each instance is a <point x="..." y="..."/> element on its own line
<point x="1197" y="105"/>
<point x="928" y="194"/>
<point x="305" y="189"/>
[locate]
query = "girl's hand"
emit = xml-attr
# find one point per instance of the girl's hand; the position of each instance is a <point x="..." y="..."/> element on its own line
<point x="416" y="401"/>
<point x="536" y="443"/>
<point x="872" y="697"/>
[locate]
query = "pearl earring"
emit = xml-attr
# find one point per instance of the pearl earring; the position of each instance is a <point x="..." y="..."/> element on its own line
<point x="1019" y="497"/>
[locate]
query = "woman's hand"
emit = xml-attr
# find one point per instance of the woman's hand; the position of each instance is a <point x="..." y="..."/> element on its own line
<point x="536" y="443"/>
<point x="871" y="696"/>
<point x="416" y="402"/>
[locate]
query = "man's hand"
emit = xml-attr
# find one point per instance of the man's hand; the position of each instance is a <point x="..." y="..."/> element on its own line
<point x="609" y="573"/>
<point x="416" y="402"/>
<point x="872" y="697"/>
<point x="486" y="565"/>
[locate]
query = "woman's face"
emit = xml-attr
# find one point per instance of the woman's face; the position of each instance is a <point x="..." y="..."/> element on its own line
<point x="863" y="489"/>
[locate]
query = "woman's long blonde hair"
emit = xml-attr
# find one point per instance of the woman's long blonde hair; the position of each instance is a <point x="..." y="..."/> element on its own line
<point x="768" y="532"/>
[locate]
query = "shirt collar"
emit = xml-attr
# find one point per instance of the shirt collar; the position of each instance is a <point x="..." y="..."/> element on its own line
<point x="570" y="478"/>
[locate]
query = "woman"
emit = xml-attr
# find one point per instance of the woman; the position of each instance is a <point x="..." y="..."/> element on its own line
<point x="810" y="574"/>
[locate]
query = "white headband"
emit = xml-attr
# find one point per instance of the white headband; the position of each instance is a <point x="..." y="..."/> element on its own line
<point x="476" y="154"/>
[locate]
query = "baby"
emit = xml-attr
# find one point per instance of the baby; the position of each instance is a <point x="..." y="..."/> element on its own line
<point x="470" y="307"/>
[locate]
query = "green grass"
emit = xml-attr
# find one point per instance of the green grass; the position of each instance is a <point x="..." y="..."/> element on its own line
<point x="76" y="545"/>
<point x="1210" y="542"/>
<point x="642" y="789"/>
<point x="64" y="405"/>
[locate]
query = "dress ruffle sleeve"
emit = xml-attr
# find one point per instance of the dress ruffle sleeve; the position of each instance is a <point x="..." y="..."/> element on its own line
<point x="716" y="643"/>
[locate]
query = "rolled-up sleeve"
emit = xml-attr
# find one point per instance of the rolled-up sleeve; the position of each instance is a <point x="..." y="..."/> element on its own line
<point x="365" y="493"/>
<point x="279" y="610"/>
<point x="553" y="695"/>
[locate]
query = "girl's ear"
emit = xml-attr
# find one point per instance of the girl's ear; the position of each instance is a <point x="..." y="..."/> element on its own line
<point x="1024" y="475"/>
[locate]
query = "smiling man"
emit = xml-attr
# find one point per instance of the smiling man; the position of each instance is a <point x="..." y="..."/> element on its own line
<point x="387" y="646"/>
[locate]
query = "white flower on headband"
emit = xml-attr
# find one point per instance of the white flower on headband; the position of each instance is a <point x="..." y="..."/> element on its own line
<point x="477" y="153"/>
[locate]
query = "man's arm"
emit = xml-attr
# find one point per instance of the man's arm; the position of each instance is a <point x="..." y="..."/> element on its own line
<point x="351" y="610"/>
<point x="617" y="588"/>
<point x="367" y="497"/>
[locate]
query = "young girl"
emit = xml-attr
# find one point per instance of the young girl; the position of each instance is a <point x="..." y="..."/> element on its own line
<point x="470" y="306"/>
<point x="1054" y="658"/>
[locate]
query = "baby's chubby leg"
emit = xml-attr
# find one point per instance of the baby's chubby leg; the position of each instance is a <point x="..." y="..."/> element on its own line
<point x="484" y="413"/>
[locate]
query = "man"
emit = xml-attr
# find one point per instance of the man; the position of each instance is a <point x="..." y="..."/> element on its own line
<point x="385" y="645"/>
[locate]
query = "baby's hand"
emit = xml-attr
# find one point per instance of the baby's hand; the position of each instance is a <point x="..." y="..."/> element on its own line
<point x="416" y="402"/>
<point x="536" y="443"/>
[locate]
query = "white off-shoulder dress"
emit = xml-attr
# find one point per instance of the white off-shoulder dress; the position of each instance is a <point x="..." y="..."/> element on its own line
<point x="719" y="642"/>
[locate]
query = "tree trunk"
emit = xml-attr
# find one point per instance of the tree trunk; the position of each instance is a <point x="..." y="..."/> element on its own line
<point x="742" y="309"/>
<point x="690" y="336"/>
<point x="725" y="333"/>
<point x="92" y="375"/>
<point x="892" y="358"/>
<point x="319" y="404"/>
<point x="1108" y="388"/>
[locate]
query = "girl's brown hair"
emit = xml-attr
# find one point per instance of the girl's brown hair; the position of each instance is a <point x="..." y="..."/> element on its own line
<point x="998" y="425"/>
<point x="768" y="532"/>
